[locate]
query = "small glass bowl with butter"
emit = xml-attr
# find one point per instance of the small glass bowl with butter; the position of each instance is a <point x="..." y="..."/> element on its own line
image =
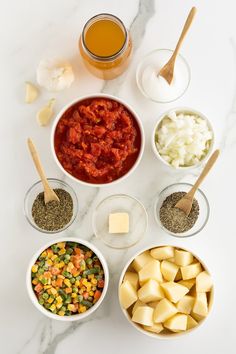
<point x="120" y="221"/>
<point x="154" y="86"/>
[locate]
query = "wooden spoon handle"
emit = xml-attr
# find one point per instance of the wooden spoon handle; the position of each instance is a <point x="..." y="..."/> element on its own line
<point x="205" y="171"/>
<point x="38" y="164"/>
<point x="187" y="24"/>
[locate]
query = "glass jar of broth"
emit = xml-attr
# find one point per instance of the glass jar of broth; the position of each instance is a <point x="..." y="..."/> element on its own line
<point x="105" y="46"/>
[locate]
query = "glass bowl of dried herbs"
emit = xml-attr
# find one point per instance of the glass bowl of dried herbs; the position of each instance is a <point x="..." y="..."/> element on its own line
<point x="54" y="216"/>
<point x="173" y="220"/>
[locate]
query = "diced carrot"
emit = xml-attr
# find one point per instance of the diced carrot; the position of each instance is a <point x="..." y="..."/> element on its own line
<point x="85" y="295"/>
<point x="74" y="271"/>
<point x="38" y="288"/>
<point x="68" y="290"/>
<point x="47" y="275"/>
<point x="59" y="282"/>
<point x="55" y="271"/>
<point x="77" y="251"/>
<point x="100" y="283"/>
<point x="97" y="294"/>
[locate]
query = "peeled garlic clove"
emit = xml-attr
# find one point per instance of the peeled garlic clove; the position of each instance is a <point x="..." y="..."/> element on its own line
<point x="45" y="114"/>
<point x="55" y="74"/>
<point x="31" y="92"/>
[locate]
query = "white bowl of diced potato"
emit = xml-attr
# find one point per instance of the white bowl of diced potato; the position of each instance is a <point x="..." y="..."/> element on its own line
<point x="165" y="291"/>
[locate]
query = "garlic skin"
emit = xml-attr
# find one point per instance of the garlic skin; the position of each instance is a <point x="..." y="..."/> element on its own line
<point x="55" y="74"/>
<point x="45" y="114"/>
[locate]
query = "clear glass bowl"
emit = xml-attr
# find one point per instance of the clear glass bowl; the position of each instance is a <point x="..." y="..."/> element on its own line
<point x="138" y="220"/>
<point x="157" y="59"/>
<point x="37" y="188"/>
<point x="204" y="208"/>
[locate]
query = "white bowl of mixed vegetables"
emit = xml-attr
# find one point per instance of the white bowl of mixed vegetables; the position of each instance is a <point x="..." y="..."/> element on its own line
<point x="67" y="279"/>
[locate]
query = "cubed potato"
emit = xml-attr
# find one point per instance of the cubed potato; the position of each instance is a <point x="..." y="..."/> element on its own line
<point x="191" y="323"/>
<point x="153" y="304"/>
<point x="169" y="270"/>
<point x="151" y="270"/>
<point x="178" y="276"/>
<point x="132" y="278"/>
<point x="143" y="315"/>
<point x="150" y="291"/>
<point x="191" y="271"/>
<point x="141" y="260"/>
<point x="128" y="295"/>
<point x="200" y="306"/>
<point x="185" y="305"/>
<point x="163" y="311"/>
<point x="161" y="253"/>
<point x="196" y="317"/>
<point x="183" y="258"/>
<point x="174" y="291"/>
<point x="137" y="304"/>
<point x="203" y="282"/>
<point x="188" y="283"/>
<point x="176" y="323"/>
<point x="155" y="328"/>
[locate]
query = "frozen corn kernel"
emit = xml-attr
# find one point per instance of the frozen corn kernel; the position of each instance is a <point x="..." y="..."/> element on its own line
<point x="34" y="269"/>
<point x="62" y="251"/>
<point x="67" y="283"/>
<point x="53" y="307"/>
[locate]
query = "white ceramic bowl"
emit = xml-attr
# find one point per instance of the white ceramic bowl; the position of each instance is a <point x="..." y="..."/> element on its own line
<point x="98" y="95"/>
<point x="181" y="110"/>
<point x="164" y="335"/>
<point x="33" y="297"/>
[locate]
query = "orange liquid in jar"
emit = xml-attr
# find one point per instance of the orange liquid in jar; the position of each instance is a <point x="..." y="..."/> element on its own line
<point x="105" y="46"/>
<point x="104" y="38"/>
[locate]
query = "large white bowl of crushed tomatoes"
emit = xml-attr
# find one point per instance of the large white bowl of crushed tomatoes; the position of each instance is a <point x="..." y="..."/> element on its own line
<point x="97" y="140"/>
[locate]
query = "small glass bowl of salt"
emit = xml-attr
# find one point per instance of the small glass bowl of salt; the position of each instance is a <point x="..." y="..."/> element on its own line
<point x="154" y="86"/>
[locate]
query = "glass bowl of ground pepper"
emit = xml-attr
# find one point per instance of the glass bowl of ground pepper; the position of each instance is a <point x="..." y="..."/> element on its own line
<point x="173" y="220"/>
<point x="54" y="216"/>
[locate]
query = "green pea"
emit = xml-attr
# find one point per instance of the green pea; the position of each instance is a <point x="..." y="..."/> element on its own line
<point x="78" y="277"/>
<point x="63" y="308"/>
<point x="89" y="261"/>
<point x="45" y="296"/>
<point x="72" y="280"/>
<point x="75" y="289"/>
<point x="44" y="281"/>
<point x="41" y="300"/>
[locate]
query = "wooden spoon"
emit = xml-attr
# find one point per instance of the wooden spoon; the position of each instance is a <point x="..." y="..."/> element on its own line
<point x="49" y="193"/>
<point x="186" y="202"/>
<point x="168" y="69"/>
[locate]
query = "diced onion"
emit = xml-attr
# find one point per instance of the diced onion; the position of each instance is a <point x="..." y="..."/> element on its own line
<point x="183" y="139"/>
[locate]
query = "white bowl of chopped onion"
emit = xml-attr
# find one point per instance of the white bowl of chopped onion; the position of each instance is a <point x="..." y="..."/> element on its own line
<point x="182" y="138"/>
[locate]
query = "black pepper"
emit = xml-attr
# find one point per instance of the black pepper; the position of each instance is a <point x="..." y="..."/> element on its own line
<point x="54" y="215"/>
<point x="174" y="219"/>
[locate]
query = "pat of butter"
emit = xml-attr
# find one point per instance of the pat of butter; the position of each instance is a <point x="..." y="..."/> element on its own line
<point x="118" y="223"/>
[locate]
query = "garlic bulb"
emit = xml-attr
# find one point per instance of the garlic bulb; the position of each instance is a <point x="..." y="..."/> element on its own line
<point x="55" y="74"/>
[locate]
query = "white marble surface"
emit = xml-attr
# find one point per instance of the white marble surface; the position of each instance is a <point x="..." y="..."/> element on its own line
<point x="31" y="30"/>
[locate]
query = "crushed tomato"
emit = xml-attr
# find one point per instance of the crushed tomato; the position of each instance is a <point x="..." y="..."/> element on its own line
<point x="97" y="140"/>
